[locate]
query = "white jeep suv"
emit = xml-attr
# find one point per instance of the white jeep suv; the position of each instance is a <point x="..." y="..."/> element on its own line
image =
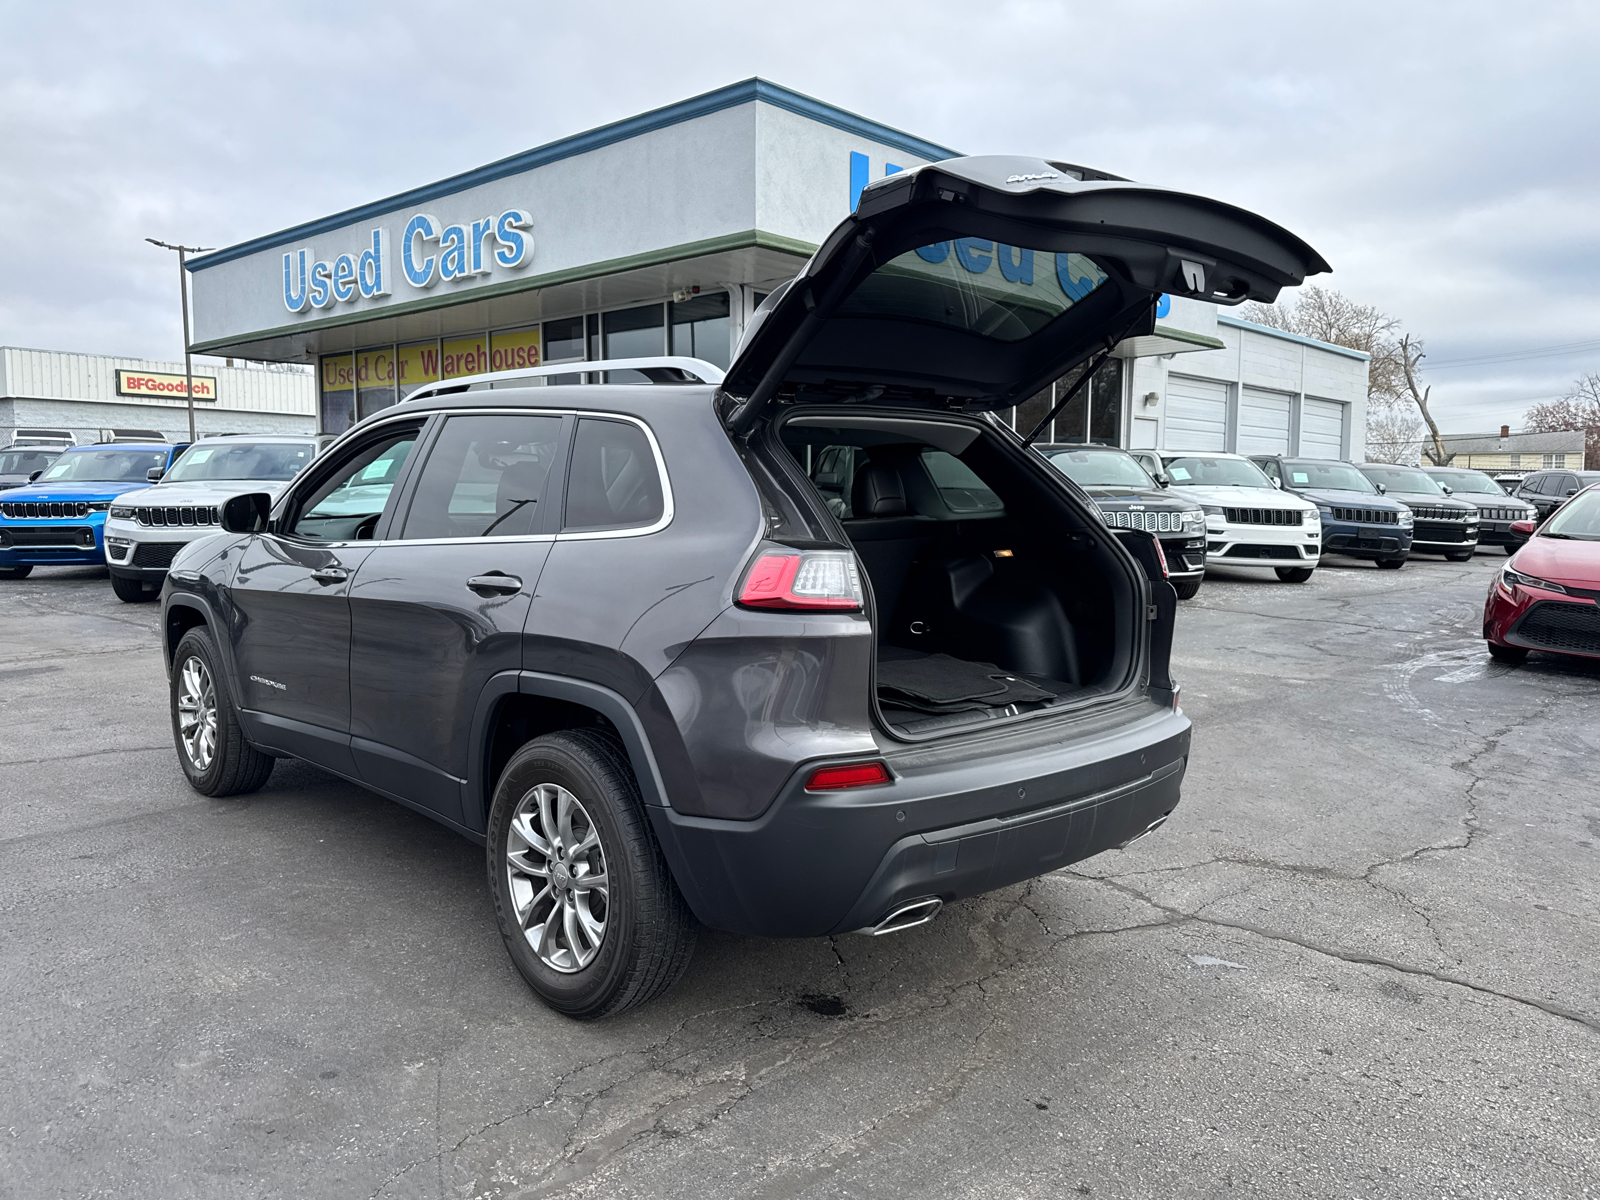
<point x="144" y="529"/>
<point x="1250" y="522"/>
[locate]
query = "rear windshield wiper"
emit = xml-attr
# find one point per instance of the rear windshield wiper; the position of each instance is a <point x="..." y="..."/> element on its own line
<point x="515" y="505"/>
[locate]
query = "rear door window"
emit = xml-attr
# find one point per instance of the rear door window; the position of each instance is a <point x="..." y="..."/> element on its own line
<point x="485" y="477"/>
<point x="959" y="487"/>
<point x="612" y="480"/>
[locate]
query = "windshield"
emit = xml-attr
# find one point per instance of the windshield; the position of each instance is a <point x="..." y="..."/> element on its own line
<point x="109" y="465"/>
<point x="241" y="460"/>
<point x="1404" y="479"/>
<point x="1216" y="472"/>
<point x="1006" y="293"/>
<point x="1578" y="518"/>
<point x="1333" y="477"/>
<point x="1100" y="468"/>
<point x="25" y="462"/>
<point x="1467" y="481"/>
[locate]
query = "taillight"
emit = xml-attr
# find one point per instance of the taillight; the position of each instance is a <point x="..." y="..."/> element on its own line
<point x="802" y="579"/>
<point x="833" y="779"/>
<point x="1161" y="557"/>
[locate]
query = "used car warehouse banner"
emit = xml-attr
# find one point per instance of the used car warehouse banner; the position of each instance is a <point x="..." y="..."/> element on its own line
<point x="356" y="385"/>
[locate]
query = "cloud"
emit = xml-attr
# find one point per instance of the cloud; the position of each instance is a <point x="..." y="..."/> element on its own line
<point x="1438" y="155"/>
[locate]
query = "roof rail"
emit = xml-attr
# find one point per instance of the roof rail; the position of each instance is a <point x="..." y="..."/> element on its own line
<point x="659" y="369"/>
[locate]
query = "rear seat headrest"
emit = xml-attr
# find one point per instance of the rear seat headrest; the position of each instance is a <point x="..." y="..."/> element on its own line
<point x="877" y="492"/>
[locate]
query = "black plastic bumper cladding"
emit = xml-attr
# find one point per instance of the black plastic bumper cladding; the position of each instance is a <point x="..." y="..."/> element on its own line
<point x="827" y="862"/>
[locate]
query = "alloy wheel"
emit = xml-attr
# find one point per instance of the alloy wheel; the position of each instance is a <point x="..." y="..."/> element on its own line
<point x="556" y="869"/>
<point x="197" y="712"/>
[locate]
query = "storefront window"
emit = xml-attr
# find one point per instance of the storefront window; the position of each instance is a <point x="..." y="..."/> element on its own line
<point x="700" y="328"/>
<point x="416" y="365"/>
<point x="1093" y="415"/>
<point x="563" y="342"/>
<point x="337" y="402"/>
<point x="464" y="356"/>
<point x="632" y="333"/>
<point x="374" y="381"/>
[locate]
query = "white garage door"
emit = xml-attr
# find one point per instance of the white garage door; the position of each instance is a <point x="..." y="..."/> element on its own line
<point x="1197" y="414"/>
<point x="1263" y="422"/>
<point x="1322" y="428"/>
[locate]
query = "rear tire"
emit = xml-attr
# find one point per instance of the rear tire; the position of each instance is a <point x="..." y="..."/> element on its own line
<point x="1460" y="555"/>
<point x="1510" y="655"/>
<point x="1510" y="550"/>
<point x="205" y="726"/>
<point x="567" y="809"/>
<point x="21" y="572"/>
<point x="130" y="591"/>
<point x="1187" y="589"/>
<point x="1294" y="574"/>
<point x="1391" y="564"/>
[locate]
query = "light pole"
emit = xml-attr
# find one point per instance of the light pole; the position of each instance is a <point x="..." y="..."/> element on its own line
<point x="183" y="290"/>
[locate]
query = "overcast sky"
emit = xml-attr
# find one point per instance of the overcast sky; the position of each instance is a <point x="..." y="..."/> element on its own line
<point x="1441" y="156"/>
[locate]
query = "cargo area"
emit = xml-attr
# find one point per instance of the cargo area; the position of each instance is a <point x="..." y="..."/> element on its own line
<point x="992" y="596"/>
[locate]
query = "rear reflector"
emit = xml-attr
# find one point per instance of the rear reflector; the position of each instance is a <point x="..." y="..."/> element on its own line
<point x="833" y="779"/>
<point x="1161" y="557"/>
<point x="802" y="580"/>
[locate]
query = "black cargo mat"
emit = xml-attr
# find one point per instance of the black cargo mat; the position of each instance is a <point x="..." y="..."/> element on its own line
<point x="937" y="683"/>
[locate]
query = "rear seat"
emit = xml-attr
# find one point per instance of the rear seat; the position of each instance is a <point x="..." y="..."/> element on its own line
<point x="887" y="535"/>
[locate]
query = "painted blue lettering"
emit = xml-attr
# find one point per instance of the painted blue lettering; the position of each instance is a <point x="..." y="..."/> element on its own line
<point x="1020" y="271"/>
<point x="480" y="229"/>
<point x="935" y="253"/>
<point x="372" y="272"/>
<point x="344" y="278"/>
<point x="418" y="274"/>
<point x="295" y="294"/>
<point x="891" y="169"/>
<point x="1077" y="275"/>
<point x="1163" y="306"/>
<point x="516" y="244"/>
<point x="860" y="173"/>
<point x="973" y="254"/>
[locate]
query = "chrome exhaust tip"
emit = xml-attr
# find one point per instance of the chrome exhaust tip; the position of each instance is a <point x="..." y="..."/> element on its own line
<point x="907" y="916"/>
<point x="1146" y="831"/>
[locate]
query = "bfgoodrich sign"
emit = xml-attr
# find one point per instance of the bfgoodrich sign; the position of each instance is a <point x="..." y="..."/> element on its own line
<point x="148" y="383"/>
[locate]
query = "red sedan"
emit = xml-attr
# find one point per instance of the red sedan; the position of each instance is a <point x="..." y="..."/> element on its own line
<point x="1547" y="596"/>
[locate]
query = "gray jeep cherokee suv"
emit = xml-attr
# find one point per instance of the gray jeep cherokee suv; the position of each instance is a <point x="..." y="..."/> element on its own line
<point x="619" y="635"/>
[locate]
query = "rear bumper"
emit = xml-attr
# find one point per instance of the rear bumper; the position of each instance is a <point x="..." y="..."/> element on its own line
<point x="828" y="862"/>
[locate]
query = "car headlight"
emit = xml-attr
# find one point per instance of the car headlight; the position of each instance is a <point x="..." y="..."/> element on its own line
<point x="1195" y="522"/>
<point x="1214" y="510"/>
<point x="1325" y="510"/>
<point x="1407" y="518"/>
<point x="1510" y="578"/>
<point x="1314" y="517"/>
<point x="99" y="505"/>
<point x="122" y="512"/>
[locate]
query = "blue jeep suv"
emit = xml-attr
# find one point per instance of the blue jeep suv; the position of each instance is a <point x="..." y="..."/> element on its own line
<point x="1357" y="519"/>
<point x="59" y="519"/>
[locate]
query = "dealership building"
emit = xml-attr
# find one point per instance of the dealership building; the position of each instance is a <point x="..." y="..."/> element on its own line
<point x="89" y="395"/>
<point x="660" y="234"/>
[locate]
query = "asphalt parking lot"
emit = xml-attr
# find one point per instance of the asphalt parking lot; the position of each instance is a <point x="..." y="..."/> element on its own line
<point x="1360" y="960"/>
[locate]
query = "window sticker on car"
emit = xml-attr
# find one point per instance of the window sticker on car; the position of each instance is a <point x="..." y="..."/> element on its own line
<point x="1179" y="472"/>
<point x="1299" y="476"/>
<point x="200" y="454"/>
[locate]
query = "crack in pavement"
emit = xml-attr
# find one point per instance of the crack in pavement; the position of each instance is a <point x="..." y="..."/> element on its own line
<point x="62" y="758"/>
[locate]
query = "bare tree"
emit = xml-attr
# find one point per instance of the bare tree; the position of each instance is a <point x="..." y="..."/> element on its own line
<point x="1578" y="409"/>
<point x="1329" y="316"/>
<point x="1411" y="356"/>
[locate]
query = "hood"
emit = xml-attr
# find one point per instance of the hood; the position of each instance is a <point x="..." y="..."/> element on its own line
<point x="1134" y="497"/>
<point x="1243" y="497"/>
<point x="1573" y="563"/>
<point x="204" y="491"/>
<point x="1346" y="499"/>
<point x="87" y="489"/>
<point x="1482" y="500"/>
<point x="1428" y="500"/>
<point x="977" y="281"/>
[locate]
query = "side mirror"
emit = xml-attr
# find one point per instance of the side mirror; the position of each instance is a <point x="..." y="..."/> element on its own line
<point x="1572" y="491"/>
<point x="1448" y="490"/>
<point x="154" y="474"/>
<point x="1383" y="488"/>
<point x="34" y="476"/>
<point x="1163" y="479"/>
<point x="247" y="513"/>
<point x="1277" y="483"/>
<point x="1524" y="528"/>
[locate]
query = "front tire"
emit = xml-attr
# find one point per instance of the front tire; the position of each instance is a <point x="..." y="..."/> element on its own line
<point x="586" y="904"/>
<point x="1391" y="564"/>
<point x="21" y="572"/>
<point x="130" y="591"/>
<point x="1294" y="574"/>
<point x="205" y="726"/>
<point x="1187" y="589"/>
<point x="1512" y="656"/>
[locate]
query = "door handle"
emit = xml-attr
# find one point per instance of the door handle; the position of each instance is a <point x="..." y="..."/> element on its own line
<point x="326" y="575"/>
<point x="505" y="585"/>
